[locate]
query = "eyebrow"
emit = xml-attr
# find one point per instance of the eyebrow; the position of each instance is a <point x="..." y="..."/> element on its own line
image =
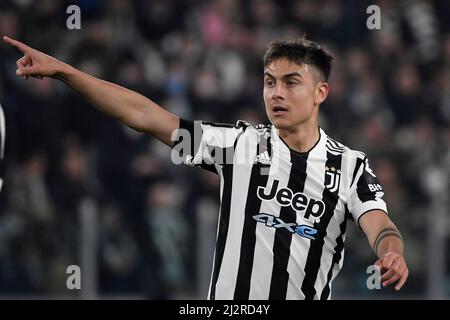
<point x="289" y="75"/>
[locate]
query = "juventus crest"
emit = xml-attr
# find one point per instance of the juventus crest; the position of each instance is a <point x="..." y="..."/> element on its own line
<point x="332" y="178"/>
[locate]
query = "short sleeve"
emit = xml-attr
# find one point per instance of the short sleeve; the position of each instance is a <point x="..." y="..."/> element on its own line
<point x="206" y="144"/>
<point x="366" y="193"/>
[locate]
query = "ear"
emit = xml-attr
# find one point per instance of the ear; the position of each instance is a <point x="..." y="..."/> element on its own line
<point x="322" y="89"/>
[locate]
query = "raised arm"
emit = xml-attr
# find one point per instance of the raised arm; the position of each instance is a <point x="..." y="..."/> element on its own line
<point x="387" y="243"/>
<point x="129" y="107"/>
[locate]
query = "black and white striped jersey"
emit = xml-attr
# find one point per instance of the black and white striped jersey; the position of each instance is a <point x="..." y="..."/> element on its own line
<point x="283" y="214"/>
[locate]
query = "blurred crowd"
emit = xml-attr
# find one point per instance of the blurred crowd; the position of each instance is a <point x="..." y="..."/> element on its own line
<point x="155" y="222"/>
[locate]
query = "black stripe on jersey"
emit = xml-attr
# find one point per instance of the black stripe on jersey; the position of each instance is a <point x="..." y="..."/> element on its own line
<point x="223" y="226"/>
<point x="363" y="191"/>
<point x="359" y="162"/>
<point x="269" y="147"/>
<point x="248" y="242"/>
<point x="334" y="144"/>
<point x="209" y="167"/>
<point x="189" y="126"/>
<point x="180" y="146"/>
<point x="218" y="124"/>
<point x="362" y="188"/>
<point x="315" y="250"/>
<point x="282" y="242"/>
<point x="239" y="124"/>
<point x="337" y="256"/>
<point x="227" y="172"/>
<point x="337" y="144"/>
<point x="333" y="149"/>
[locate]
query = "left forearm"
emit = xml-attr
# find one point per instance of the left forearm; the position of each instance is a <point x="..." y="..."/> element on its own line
<point x="387" y="242"/>
<point x="388" y="239"/>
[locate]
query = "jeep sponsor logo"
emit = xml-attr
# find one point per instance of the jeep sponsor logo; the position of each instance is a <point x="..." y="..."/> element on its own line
<point x="298" y="201"/>
<point x="276" y="222"/>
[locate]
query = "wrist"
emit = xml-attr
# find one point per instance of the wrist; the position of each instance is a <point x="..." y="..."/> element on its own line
<point x="63" y="72"/>
<point x="388" y="240"/>
<point x="395" y="247"/>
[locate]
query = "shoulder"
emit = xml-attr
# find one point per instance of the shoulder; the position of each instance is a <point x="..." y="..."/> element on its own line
<point x="337" y="147"/>
<point x="226" y="134"/>
<point x="240" y="124"/>
<point x="259" y="128"/>
<point x="249" y="129"/>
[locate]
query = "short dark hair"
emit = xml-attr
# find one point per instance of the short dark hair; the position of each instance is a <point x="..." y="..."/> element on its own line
<point x="300" y="51"/>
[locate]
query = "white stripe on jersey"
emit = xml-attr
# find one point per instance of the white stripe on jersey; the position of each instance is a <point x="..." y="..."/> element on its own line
<point x="333" y="229"/>
<point x="265" y="237"/>
<point x="241" y="178"/>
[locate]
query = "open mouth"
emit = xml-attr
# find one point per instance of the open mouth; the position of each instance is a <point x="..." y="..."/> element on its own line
<point x="279" y="110"/>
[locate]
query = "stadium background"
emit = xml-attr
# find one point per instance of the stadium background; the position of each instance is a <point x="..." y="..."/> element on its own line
<point x="82" y="189"/>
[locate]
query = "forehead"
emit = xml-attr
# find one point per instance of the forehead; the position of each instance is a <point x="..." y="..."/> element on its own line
<point x="282" y="67"/>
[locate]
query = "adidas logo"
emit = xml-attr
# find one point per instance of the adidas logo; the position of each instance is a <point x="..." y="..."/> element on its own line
<point x="262" y="158"/>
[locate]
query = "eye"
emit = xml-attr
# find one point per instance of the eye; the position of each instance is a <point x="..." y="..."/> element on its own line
<point x="291" y="83"/>
<point x="269" y="82"/>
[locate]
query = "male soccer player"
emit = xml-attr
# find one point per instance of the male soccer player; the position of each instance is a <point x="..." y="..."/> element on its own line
<point x="287" y="189"/>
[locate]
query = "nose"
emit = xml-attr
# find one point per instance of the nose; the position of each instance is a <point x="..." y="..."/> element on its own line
<point x="278" y="92"/>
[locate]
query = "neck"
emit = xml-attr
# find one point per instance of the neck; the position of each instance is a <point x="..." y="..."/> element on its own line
<point x="301" y="139"/>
